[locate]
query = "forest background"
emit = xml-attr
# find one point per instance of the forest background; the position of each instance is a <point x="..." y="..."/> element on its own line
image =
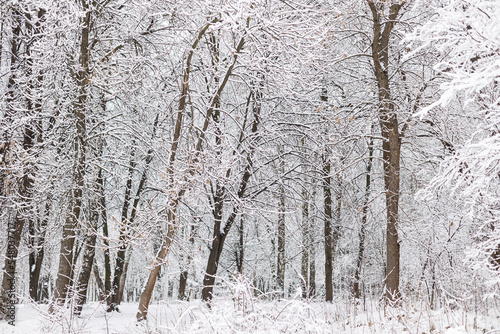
<point x="153" y="150"/>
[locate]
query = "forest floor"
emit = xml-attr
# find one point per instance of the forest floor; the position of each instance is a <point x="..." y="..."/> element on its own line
<point x="233" y="315"/>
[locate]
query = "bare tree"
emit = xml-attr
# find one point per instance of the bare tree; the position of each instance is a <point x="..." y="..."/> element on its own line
<point x="364" y="222"/>
<point x="390" y="132"/>
<point x="79" y="165"/>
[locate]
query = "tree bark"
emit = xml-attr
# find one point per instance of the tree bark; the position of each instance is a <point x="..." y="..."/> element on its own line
<point x="364" y="220"/>
<point x="184" y="272"/>
<point x="177" y="194"/>
<point x="79" y="170"/>
<point x="35" y="107"/>
<point x="87" y="264"/>
<point x="127" y="220"/>
<point x="336" y="229"/>
<point x="280" y="266"/>
<point x="221" y="234"/>
<point x="36" y="255"/>
<point x="312" y="259"/>
<point x="240" y="246"/>
<point x="217" y="198"/>
<point x="124" y="230"/>
<point x="327" y="199"/>
<point x="24" y="214"/>
<point x="391" y="145"/>
<point x="104" y="220"/>
<point x="121" y="285"/>
<point x="182" y="285"/>
<point x="156" y="265"/>
<point x="217" y="244"/>
<point x="304" y="269"/>
<point x="100" y="283"/>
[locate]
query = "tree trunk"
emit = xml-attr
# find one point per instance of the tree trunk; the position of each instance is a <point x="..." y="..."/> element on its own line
<point x="240" y="247"/>
<point x="217" y="198"/>
<point x="304" y="269"/>
<point x="272" y="280"/>
<point x="127" y="220"/>
<point x="121" y="286"/>
<point x="220" y="235"/>
<point x="178" y="194"/>
<point x="104" y="220"/>
<point x="100" y="283"/>
<point x="327" y="198"/>
<point x="312" y="261"/>
<point x="124" y="226"/>
<point x="22" y="214"/>
<point x="280" y="266"/>
<point x="184" y="273"/>
<point x="36" y="248"/>
<point x="336" y="229"/>
<point x="216" y="250"/>
<point x="156" y="265"/>
<point x="364" y="219"/>
<point x="88" y="261"/>
<point x="312" y="247"/>
<point x="182" y="285"/>
<point x="81" y="286"/>
<point x="68" y="235"/>
<point x="391" y="141"/>
<point x="36" y="255"/>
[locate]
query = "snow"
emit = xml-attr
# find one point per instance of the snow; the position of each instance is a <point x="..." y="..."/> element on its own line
<point x="254" y="316"/>
<point x="458" y="330"/>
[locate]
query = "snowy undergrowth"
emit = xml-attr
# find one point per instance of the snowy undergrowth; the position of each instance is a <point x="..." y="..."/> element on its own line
<point x="229" y="316"/>
<point x="239" y="311"/>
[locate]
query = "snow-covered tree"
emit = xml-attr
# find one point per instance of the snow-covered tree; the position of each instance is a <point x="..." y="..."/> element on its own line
<point x="465" y="35"/>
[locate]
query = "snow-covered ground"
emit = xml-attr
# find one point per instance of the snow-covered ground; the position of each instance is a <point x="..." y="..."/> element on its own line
<point x="253" y="316"/>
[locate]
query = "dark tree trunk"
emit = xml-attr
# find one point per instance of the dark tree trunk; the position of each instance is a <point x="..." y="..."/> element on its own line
<point x="312" y="247"/>
<point x="24" y="214"/>
<point x="14" y="231"/>
<point x="100" y="283"/>
<point x="220" y="235"/>
<point x="304" y="269"/>
<point x="336" y="228"/>
<point x="96" y="212"/>
<point x="121" y="286"/>
<point x="240" y="247"/>
<point x="36" y="255"/>
<point x="327" y="213"/>
<point x="104" y="220"/>
<point x="327" y="199"/>
<point x="280" y="266"/>
<point x="124" y="226"/>
<point x="68" y="235"/>
<point x="153" y="273"/>
<point x="364" y="220"/>
<point x="184" y="272"/>
<point x="391" y="140"/>
<point x="127" y="220"/>
<point x="182" y="285"/>
<point x="217" y="197"/>
<point x="36" y="246"/>
<point x="87" y="264"/>
<point x="216" y="249"/>
<point x="312" y="262"/>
